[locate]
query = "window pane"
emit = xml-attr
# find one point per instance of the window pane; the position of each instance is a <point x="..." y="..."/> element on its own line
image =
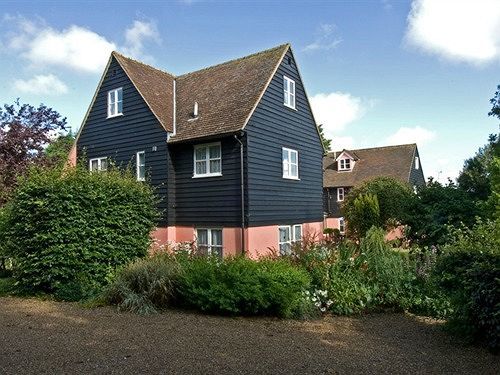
<point x="214" y="152"/>
<point x="111" y="97"/>
<point x="94" y="165"/>
<point x="104" y="164"/>
<point x="216" y="237"/>
<point x="297" y="235"/>
<point x="285" y="249"/>
<point x="284" y="234"/>
<point x="293" y="157"/>
<point x="120" y="107"/>
<point x="141" y="158"/>
<point x="285" y="85"/>
<point x="285" y="155"/>
<point x="120" y="94"/>
<point x="202" y="237"/>
<point x="294" y="172"/>
<point x="201" y="167"/>
<point x="216" y="251"/>
<point x="292" y="87"/>
<point x="292" y="101"/>
<point x="201" y="153"/>
<point x="214" y="166"/>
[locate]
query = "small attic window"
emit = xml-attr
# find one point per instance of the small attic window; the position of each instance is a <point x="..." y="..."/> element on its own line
<point x="345" y="164"/>
<point x="289" y="60"/>
<point x="417" y="162"/>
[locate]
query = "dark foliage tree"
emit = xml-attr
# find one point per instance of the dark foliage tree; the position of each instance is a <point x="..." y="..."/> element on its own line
<point x="495" y="102"/>
<point x="24" y="133"/>
<point x="327" y="143"/>
<point x="434" y="207"/>
<point x="475" y="177"/>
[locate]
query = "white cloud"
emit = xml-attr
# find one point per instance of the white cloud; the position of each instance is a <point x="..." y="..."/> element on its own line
<point x="324" y="39"/>
<point x="136" y="35"/>
<point x="41" y="85"/>
<point x="405" y="135"/>
<point x="337" y="109"/>
<point x="457" y="30"/>
<point x="75" y="47"/>
<point x="342" y="142"/>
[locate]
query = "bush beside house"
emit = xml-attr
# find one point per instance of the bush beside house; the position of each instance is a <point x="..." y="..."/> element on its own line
<point x="67" y="231"/>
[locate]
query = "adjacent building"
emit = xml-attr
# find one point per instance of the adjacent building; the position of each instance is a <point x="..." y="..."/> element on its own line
<point x="343" y="170"/>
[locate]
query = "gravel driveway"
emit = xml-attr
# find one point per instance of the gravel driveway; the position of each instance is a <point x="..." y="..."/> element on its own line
<point x="43" y="337"/>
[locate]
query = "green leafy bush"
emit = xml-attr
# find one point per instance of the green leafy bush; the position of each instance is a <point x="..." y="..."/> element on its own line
<point x="469" y="271"/>
<point x="364" y="214"/>
<point x="145" y="285"/>
<point x="240" y="286"/>
<point x="393" y="196"/>
<point x="73" y="225"/>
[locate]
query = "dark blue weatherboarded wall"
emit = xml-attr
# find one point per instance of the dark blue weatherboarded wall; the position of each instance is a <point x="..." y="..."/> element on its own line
<point x="417" y="175"/>
<point x="271" y="198"/>
<point x="119" y="138"/>
<point x="207" y="201"/>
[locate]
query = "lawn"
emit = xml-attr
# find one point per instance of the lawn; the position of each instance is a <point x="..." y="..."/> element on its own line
<point x="53" y="337"/>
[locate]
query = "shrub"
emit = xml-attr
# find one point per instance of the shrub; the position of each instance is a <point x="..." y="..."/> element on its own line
<point x="364" y="214"/>
<point x="240" y="286"/>
<point x="72" y="226"/>
<point x="394" y="198"/>
<point x="146" y="285"/>
<point x="469" y="271"/>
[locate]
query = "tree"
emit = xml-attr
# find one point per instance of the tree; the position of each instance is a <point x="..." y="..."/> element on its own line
<point x="434" y="207"/>
<point x="475" y="177"/>
<point x="495" y="101"/>
<point x="24" y="133"/>
<point x="327" y="143"/>
<point x="393" y="197"/>
<point x="364" y="214"/>
<point x="57" y="151"/>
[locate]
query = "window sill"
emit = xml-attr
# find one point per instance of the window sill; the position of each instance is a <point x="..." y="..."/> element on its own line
<point x="291" y="178"/>
<point x="290" y="107"/>
<point x="207" y="175"/>
<point x="117" y="115"/>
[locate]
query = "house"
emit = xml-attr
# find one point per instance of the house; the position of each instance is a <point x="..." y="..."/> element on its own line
<point x="343" y="170"/>
<point x="233" y="149"/>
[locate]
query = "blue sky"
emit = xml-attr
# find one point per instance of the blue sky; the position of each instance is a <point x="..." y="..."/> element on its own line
<point x="376" y="72"/>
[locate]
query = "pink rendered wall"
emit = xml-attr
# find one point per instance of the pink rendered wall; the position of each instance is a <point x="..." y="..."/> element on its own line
<point x="332" y="222"/>
<point x="231" y="240"/>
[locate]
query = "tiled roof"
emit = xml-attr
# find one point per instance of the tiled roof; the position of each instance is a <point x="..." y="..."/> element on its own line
<point x="226" y="93"/>
<point x="155" y="86"/>
<point x="390" y="161"/>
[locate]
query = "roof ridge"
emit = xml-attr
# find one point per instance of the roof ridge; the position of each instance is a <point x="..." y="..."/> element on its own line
<point x="142" y="63"/>
<point x="372" y="148"/>
<point x="236" y="59"/>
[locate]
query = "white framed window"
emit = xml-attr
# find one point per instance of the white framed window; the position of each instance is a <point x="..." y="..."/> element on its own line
<point x="417" y="162"/>
<point x="341" y="225"/>
<point x="344" y="164"/>
<point x="340" y="194"/>
<point x="98" y="164"/>
<point x="209" y="241"/>
<point x="290" y="160"/>
<point x="287" y="235"/>
<point x="207" y="160"/>
<point x="140" y="163"/>
<point x="115" y="102"/>
<point x="288" y="92"/>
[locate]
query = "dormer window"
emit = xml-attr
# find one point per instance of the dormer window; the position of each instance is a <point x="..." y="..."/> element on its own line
<point x="344" y="164"/>
<point x="289" y="92"/>
<point x="115" y="102"/>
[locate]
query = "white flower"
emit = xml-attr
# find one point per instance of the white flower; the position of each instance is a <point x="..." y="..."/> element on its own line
<point x="323" y="309"/>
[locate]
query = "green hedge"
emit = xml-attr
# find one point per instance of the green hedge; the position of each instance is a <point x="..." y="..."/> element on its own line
<point x="68" y="230"/>
<point x="241" y="286"/>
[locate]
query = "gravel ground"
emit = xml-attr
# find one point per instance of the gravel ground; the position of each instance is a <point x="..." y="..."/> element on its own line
<point x="42" y="337"/>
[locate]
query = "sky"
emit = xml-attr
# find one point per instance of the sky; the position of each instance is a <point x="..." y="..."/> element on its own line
<point x="377" y="73"/>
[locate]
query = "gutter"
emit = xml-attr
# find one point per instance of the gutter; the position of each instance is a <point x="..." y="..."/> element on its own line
<point x="242" y="187"/>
